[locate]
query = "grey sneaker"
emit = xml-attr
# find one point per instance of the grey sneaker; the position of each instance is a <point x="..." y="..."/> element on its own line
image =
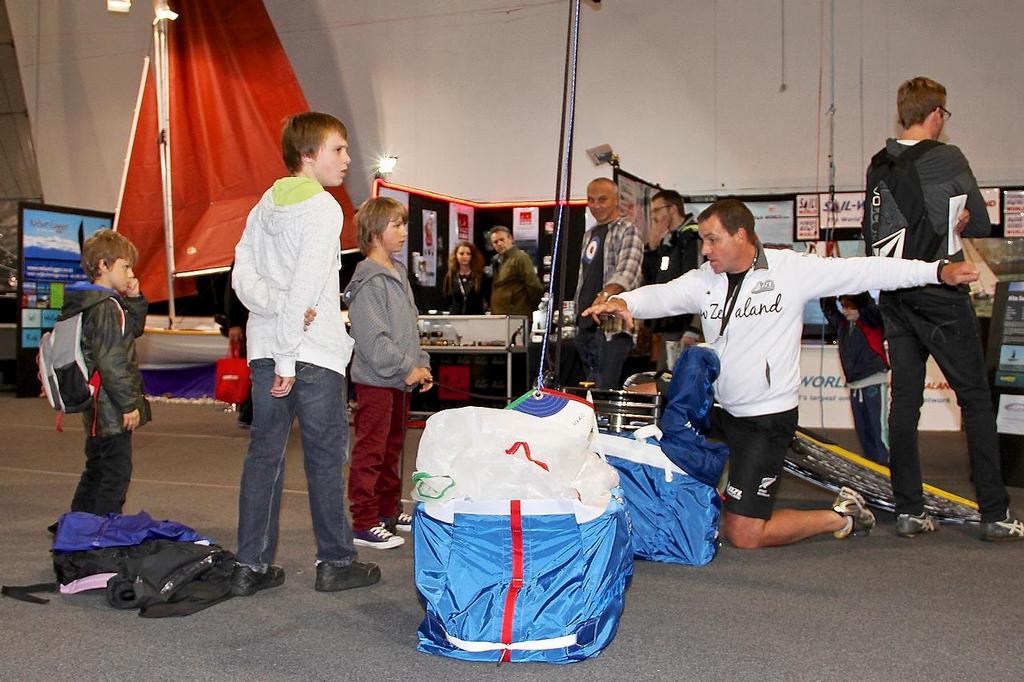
<point x="909" y="525"/>
<point x="1009" y="528"/>
<point x="851" y="504"/>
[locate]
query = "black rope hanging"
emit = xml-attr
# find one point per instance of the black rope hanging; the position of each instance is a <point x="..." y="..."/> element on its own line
<point x="562" y="185"/>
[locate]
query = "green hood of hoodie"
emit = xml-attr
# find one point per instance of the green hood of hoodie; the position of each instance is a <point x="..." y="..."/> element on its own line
<point x="294" y="190"/>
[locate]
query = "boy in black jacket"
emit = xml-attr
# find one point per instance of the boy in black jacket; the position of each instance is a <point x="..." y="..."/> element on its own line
<point x="113" y="316"/>
<point x="859" y="334"/>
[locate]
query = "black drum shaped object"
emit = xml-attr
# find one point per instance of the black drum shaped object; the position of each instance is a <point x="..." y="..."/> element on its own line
<point x="619" y="411"/>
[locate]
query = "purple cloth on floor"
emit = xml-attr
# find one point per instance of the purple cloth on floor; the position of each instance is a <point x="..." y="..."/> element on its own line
<point x="184" y="382"/>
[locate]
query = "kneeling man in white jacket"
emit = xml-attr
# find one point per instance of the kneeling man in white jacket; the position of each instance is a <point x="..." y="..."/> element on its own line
<point x="751" y="303"/>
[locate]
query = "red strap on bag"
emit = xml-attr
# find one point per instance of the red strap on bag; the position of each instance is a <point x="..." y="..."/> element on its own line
<point x="509" y="612"/>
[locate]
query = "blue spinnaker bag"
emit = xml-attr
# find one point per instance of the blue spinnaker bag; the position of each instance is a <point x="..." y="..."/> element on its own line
<point x="674" y="516"/>
<point x="81" y="531"/>
<point x="687" y="416"/>
<point x="521" y="580"/>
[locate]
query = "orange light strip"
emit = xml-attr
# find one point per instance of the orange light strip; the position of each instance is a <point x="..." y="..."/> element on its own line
<point x="379" y="182"/>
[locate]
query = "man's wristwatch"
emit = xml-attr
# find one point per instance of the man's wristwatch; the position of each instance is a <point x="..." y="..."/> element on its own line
<point x="938" y="271"/>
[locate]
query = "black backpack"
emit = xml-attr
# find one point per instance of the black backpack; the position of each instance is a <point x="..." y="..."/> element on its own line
<point x="160" y="578"/>
<point x="896" y="223"/>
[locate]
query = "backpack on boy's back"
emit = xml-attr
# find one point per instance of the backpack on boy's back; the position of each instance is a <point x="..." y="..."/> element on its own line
<point x="66" y="380"/>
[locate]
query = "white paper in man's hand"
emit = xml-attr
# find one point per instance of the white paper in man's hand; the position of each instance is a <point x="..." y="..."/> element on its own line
<point x="953" y="242"/>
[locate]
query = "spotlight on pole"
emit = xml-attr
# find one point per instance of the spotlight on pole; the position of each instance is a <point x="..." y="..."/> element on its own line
<point x="385" y="165"/>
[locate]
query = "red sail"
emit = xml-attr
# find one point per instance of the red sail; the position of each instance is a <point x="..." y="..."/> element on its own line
<point x="231" y="88"/>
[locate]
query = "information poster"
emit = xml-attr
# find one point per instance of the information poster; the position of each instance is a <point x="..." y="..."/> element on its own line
<point x="1010" y="417"/>
<point x="635" y="201"/>
<point x="844" y="212"/>
<point x="426" y="271"/>
<point x="807" y="214"/>
<point x="526" y="230"/>
<point x="773" y="221"/>
<point x="460" y="224"/>
<point x="1010" y="371"/>
<point x="992" y="203"/>
<point x="1013" y="213"/>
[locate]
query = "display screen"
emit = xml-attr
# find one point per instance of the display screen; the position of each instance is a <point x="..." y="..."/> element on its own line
<point x="51" y="239"/>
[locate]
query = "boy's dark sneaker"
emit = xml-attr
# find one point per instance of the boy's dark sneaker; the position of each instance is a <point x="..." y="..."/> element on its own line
<point x="245" y="581"/>
<point x="1009" y="528"/>
<point x="377" y="537"/>
<point x="334" y="578"/>
<point x="909" y="525"/>
<point x="399" y="522"/>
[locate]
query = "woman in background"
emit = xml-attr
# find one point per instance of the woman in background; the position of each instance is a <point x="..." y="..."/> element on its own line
<point x="466" y="288"/>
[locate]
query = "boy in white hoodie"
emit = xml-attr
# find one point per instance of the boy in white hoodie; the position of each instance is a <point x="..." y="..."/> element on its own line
<point x="287" y="263"/>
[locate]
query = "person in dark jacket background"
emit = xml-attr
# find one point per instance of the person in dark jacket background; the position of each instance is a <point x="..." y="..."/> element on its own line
<point x="516" y="289"/>
<point x="673" y="248"/>
<point x="466" y="288"/>
<point x="858" y="330"/>
<point x="113" y="316"/>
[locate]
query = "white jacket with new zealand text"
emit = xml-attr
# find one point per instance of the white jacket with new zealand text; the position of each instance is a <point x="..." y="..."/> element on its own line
<point x="760" y="349"/>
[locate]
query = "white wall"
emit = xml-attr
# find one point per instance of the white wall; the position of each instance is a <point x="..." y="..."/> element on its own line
<point x="468" y="92"/>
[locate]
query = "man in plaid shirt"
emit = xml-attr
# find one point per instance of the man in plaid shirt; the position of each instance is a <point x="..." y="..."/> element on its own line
<point x="610" y="264"/>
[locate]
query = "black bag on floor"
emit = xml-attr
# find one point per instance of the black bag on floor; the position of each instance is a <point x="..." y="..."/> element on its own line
<point x="175" y="579"/>
<point x="159" y="577"/>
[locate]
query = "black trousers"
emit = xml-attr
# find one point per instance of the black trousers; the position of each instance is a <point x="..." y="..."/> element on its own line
<point x="108" y="471"/>
<point x="603" y="358"/>
<point x="939" y="322"/>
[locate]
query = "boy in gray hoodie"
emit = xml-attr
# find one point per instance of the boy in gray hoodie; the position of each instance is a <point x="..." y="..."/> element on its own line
<point x="386" y="366"/>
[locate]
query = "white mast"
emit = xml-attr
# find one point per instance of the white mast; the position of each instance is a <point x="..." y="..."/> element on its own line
<point x="161" y="73"/>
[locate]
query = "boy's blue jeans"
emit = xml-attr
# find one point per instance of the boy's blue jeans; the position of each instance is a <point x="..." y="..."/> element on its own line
<point x="318" y="399"/>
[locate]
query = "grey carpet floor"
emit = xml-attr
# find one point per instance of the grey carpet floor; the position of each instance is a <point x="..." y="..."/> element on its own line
<point x="942" y="607"/>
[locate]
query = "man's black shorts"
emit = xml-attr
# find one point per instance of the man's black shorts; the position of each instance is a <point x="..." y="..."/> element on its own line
<point x="758" y="446"/>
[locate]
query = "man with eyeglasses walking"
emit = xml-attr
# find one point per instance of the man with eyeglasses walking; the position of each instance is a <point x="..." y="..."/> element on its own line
<point x="673" y="248"/>
<point x="910" y="185"/>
